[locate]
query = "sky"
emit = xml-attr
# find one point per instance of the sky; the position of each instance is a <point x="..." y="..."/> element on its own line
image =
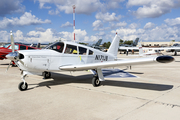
<point x="46" y="21"/>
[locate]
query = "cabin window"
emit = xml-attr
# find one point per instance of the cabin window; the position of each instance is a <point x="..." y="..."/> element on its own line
<point x="91" y="52"/>
<point x="57" y="47"/>
<point x="29" y="48"/>
<point x="22" y="47"/>
<point x="70" y="49"/>
<point x="82" y="51"/>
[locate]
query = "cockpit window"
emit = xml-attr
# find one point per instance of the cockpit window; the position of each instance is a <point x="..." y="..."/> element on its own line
<point x="7" y="45"/>
<point x="82" y="51"/>
<point x="70" y="49"/>
<point x="56" y="46"/>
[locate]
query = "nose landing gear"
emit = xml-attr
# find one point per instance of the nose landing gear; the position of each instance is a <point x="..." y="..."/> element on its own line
<point x="23" y="85"/>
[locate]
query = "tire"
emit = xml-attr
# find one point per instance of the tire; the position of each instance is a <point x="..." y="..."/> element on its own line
<point x="46" y="75"/>
<point x="23" y="87"/>
<point x="96" y="82"/>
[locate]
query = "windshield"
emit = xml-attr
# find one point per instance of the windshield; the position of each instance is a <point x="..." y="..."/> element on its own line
<point x="57" y="46"/>
<point x="7" y="45"/>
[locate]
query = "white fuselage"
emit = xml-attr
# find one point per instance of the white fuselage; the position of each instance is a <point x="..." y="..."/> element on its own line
<point x="52" y="60"/>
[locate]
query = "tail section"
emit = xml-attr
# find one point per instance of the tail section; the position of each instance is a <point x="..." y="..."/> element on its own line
<point x="135" y="42"/>
<point x="38" y="45"/>
<point x="98" y="42"/>
<point x="113" y="49"/>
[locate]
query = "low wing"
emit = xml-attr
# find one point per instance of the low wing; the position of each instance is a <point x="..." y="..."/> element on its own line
<point x="137" y="61"/>
<point x="146" y="48"/>
<point x="165" y="48"/>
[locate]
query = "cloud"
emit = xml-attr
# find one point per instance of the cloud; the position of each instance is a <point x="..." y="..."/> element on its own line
<point x="82" y="6"/>
<point x="11" y="6"/>
<point x="149" y="25"/>
<point x="52" y="12"/>
<point x="133" y="25"/>
<point x="112" y="4"/>
<point x="101" y="33"/>
<point x="173" y="22"/>
<point x="97" y="24"/>
<point x="40" y="29"/>
<point x="4" y="36"/>
<point x="149" y="32"/>
<point x="107" y="17"/>
<point x="121" y="24"/>
<point x="47" y="36"/>
<point x="67" y="24"/>
<point x="117" y="25"/>
<point x="41" y="5"/>
<point x="39" y="36"/>
<point x="26" y="19"/>
<point x="152" y="8"/>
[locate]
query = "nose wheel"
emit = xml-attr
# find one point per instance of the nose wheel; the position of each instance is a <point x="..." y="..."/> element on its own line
<point x="23" y="86"/>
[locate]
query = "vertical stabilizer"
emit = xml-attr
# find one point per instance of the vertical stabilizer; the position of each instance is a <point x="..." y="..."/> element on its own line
<point x="98" y="42"/>
<point x="113" y="49"/>
<point x="135" y="42"/>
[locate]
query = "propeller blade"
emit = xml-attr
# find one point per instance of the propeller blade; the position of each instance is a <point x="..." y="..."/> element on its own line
<point x="8" y="66"/>
<point x="12" y="41"/>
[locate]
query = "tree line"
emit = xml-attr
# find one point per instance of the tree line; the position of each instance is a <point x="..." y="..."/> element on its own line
<point x="107" y="44"/>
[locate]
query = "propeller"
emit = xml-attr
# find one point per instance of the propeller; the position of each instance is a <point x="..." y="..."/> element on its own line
<point x="12" y="41"/>
<point x="14" y="55"/>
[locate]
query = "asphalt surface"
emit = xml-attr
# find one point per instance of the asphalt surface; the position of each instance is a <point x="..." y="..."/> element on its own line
<point x="153" y="95"/>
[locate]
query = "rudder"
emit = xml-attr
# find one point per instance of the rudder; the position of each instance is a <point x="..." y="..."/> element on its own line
<point x="113" y="49"/>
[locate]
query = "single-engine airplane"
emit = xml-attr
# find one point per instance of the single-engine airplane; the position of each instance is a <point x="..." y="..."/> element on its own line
<point x="146" y="53"/>
<point x="70" y="56"/>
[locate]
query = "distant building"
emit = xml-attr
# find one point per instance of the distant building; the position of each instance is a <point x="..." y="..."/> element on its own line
<point x="158" y="44"/>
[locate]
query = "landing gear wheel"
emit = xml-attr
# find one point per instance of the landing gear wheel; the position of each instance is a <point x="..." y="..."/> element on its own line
<point x="22" y="86"/>
<point x="96" y="82"/>
<point x="46" y="75"/>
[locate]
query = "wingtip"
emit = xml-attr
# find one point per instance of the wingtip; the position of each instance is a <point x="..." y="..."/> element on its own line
<point x="165" y="59"/>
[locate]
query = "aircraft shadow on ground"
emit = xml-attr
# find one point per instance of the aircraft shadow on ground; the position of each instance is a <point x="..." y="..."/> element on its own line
<point x="175" y="55"/>
<point x="5" y="64"/>
<point x="61" y="79"/>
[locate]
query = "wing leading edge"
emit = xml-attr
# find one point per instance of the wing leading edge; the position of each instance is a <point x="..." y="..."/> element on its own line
<point x="137" y="61"/>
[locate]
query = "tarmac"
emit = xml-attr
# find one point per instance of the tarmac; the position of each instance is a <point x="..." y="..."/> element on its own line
<point x="153" y="95"/>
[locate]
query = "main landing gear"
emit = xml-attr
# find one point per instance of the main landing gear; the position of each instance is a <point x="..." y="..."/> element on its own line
<point x="46" y="75"/>
<point x="95" y="81"/>
<point x="97" y="78"/>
